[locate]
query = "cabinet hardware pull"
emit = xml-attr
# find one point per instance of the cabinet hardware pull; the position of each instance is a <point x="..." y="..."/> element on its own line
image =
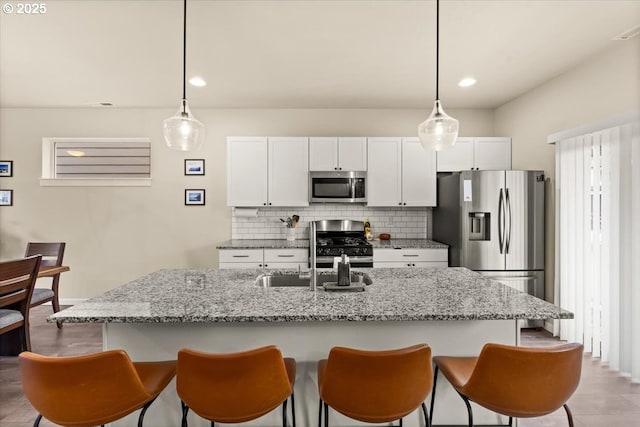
<point x="240" y="256"/>
<point x="410" y="255"/>
<point x="285" y="256"/>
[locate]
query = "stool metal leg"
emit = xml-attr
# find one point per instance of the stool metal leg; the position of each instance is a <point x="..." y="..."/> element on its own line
<point x="293" y="409"/>
<point x="427" y="420"/>
<point x="466" y="401"/>
<point x="569" y="415"/>
<point x="185" y="411"/>
<point x="326" y="415"/>
<point x="320" y="403"/>
<point x="433" y="390"/>
<point x="284" y="413"/>
<point x="143" y="411"/>
<point x="36" y="423"/>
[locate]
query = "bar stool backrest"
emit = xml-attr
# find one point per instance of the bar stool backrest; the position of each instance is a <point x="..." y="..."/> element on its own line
<point x="85" y="390"/>
<point x="505" y="378"/>
<point x="377" y="386"/>
<point x="232" y="387"/>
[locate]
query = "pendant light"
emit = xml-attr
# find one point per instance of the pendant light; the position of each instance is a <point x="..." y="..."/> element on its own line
<point x="439" y="130"/>
<point x="182" y="131"/>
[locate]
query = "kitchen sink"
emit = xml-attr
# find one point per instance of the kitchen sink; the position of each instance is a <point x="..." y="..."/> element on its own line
<point x="286" y="280"/>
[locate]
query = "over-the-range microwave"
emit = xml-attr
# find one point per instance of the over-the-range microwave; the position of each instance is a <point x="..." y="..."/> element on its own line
<point x="337" y="187"/>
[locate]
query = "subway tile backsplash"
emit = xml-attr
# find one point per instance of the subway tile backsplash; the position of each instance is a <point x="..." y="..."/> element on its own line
<point x="401" y="223"/>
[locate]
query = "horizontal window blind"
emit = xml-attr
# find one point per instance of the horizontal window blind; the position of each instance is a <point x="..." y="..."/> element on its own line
<point x="108" y="159"/>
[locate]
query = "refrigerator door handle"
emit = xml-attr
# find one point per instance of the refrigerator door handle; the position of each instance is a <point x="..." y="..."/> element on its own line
<point x="501" y="221"/>
<point x="508" y="219"/>
<point x="505" y="278"/>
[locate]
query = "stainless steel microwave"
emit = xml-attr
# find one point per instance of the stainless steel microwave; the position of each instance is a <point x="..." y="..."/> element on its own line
<point x="338" y="187"/>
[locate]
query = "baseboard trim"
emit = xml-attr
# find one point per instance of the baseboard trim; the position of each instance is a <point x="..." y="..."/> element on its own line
<point x="72" y="301"/>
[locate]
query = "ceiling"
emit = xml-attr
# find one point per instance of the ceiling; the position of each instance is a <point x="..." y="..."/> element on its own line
<point x="298" y="54"/>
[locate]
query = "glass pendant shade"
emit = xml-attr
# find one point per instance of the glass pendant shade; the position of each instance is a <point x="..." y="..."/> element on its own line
<point x="182" y="131"/>
<point x="439" y="131"/>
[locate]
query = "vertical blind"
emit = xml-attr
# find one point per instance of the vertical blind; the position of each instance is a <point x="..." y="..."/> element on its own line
<point x="598" y="243"/>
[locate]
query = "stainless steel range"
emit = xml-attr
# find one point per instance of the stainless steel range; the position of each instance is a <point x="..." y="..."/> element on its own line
<point x="332" y="238"/>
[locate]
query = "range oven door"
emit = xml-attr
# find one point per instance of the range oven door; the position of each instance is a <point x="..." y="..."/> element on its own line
<point x="355" y="261"/>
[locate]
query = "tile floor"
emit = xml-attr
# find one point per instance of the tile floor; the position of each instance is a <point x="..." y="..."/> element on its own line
<point x="603" y="399"/>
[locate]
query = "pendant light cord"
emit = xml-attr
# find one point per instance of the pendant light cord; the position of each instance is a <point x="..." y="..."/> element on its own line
<point x="437" y="47"/>
<point x="184" y="55"/>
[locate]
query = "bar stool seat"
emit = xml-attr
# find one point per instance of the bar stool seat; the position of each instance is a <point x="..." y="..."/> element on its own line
<point x="497" y="378"/>
<point x="235" y="387"/>
<point x="375" y="386"/>
<point x="93" y="389"/>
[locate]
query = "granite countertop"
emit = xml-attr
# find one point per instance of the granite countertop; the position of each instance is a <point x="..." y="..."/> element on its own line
<point x="408" y="244"/>
<point x="263" y="244"/>
<point x="304" y="243"/>
<point x="174" y="296"/>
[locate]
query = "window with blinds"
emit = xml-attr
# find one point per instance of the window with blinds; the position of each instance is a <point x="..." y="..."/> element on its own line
<point x="96" y="161"/>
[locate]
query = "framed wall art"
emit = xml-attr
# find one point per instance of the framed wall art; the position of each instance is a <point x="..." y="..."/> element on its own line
<point x="6" y="197"/>
<point x="194" y="166"/>
<point x="194" y="197"/>
<point x="6" y="168"/>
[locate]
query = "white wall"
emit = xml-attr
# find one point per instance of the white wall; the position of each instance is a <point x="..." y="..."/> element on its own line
<point x="606" y="85"/>
<point x="117" y="234"/>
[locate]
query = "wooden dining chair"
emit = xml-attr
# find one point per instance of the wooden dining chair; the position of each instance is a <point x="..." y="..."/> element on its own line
<point x="375" y="386"/>
<point x="17" y="280"/>
<point x="497" y="377"/>
<point x="235" y="387"/>
<point x="91" y="389"/>
<point x="52" y="254"/>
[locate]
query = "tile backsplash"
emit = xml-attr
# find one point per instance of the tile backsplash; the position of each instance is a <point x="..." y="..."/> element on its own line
<point x="401" y="223"/>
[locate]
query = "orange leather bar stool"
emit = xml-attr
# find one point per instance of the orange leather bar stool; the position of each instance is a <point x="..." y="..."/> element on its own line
<point x="93" y="389"/>
<point x="235" y="387"/>
<point x="499" y="377"/>
<point x="375" y="386"/>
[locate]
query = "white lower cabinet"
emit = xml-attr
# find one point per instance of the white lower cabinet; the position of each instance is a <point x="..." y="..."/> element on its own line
<point x="264" y="258"/>
<point x="403" y="258"/>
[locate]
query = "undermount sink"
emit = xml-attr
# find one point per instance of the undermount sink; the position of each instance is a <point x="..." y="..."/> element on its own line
<point x="286" y="280"/>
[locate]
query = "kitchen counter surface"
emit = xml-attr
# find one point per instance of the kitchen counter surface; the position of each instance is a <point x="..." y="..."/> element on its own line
<point x="263" y="244"/>
<point x="214" y="296"/>
<point x="408" y="244"/>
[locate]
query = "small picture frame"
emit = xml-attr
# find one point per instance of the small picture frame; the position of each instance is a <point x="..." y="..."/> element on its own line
<point x="194" y="197"/>
<point x="6" y="197"/>
<point x="6" y="168"/>
<point x="194" y="166"/>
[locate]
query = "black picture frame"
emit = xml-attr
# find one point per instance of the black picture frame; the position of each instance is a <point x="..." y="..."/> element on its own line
<point x="194" y="166"/>
<point x="6" y="168"/>
<point x="194" y="197"/>
<point x="6" y="197"/>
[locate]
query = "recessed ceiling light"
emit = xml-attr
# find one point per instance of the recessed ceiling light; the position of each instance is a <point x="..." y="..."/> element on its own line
<point x="467" y="81"/>
<point x="197" y="81"/>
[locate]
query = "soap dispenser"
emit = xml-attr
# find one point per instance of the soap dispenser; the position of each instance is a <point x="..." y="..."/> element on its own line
<point x="344" y="271"/>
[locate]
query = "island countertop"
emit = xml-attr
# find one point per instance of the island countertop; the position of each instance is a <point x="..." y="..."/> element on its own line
<point x="195" y="296"/>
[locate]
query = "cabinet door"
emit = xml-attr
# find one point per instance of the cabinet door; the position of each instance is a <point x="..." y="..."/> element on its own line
<point x="289" y="171"/>
<point x="247" y="171"/>
<point x="352" y="154"/>
<point x="492" y="153"/>
<point x="418" y="174"/>
<point x="457" y="158"/>
<point x="384" y="183"/>
<point x="323" y="154"/>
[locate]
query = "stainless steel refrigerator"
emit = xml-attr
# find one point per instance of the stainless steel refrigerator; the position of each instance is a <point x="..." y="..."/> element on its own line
<point x="493" y="222"/>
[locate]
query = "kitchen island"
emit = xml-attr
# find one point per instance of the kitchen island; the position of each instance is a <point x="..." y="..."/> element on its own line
<point x="454" y="310"/>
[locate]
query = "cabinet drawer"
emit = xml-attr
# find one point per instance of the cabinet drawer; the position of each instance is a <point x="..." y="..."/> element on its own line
<point x="409" y="255"/>
<point x="240" y="255"/>
<point x="236" y="265"/>
<point x="286" y="255"/>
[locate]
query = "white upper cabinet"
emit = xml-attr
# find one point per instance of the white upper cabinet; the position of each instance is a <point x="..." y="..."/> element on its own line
<point x="492" y="153"/>
<point x="486" y="153"/>
<point x="288" y="171"/>
<point x="267" y="171"/>
<point x="331" y="153"/>
<point x="400" y="173"/>
<point x="247" y="171"/>
<point x="384" y="179"/>
<point x="418" y="174"/>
